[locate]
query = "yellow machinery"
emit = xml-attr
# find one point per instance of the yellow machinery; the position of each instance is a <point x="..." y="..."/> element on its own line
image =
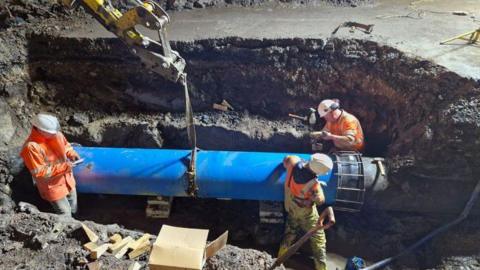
<point x="472" y="37"/>
<point x="156" y="55"/>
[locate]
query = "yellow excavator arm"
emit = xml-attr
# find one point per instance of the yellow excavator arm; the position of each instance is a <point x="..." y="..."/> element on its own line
<point x="156" y="55"/>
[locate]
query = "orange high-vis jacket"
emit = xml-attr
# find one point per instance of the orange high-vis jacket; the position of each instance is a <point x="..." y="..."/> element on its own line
<point x="347" y="125"/>
<point x="304" y="194"/>
<point x="46" y="161"/>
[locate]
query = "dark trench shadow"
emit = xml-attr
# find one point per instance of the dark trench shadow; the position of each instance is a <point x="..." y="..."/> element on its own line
<point x="222" y="139"/>
<point x="23" y="190"/>
<point x="88" y="75"/>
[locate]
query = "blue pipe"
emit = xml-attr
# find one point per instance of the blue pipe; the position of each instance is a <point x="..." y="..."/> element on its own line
<point x="161" y="172"/>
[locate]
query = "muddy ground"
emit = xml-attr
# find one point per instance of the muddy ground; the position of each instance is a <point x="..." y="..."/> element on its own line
<point x="421" y="116"/>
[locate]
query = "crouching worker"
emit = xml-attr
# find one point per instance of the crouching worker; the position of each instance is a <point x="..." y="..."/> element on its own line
<point x="48" y="156"/>
<point x="302" y="194"/>
<point x="341" y="128"/>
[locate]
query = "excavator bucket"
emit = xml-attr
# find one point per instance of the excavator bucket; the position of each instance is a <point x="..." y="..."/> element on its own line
<point x="169" y="66"/>
<point x="156" y="55"/>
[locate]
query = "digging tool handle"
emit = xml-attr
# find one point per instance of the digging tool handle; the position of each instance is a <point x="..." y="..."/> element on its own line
<point x="380" y="166"/>
<point x="293" y="248"/>
<point x="304" y="118"/>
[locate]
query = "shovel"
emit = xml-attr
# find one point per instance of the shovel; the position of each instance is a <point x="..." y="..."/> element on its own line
<point x="293" y="248"/>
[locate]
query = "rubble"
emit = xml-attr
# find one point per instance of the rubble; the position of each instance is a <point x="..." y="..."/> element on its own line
<point x="242" y="259"/>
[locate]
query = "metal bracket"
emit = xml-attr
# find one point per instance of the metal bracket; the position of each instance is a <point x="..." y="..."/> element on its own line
<point x="350" y="181"/>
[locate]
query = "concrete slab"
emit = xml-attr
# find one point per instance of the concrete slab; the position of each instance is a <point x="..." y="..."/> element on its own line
<point x="414" y="27"/>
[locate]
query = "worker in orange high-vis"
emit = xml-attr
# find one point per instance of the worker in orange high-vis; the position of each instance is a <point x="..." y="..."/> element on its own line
<point x="342" y="128"/>
<point x="303" y="194"/>
<point x="48" y="156"/>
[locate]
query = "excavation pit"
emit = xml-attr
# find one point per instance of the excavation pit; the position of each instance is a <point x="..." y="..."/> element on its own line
<point x="408" y="108"/>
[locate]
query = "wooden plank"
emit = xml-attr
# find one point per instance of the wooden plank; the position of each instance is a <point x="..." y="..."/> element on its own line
<point x="117" y="246"/>
<point x="82" y="261"/>
<point x="98" y="252"/>
<point x="94" y="265"/>
<point x="90" y="234"/>
<point x="119" y="253"/>
<point x="225" y="103"/>
<point x="90" y="246"/>
<point x="220" y="107"/>
<point x="145" y="247"/>
<point x="139" y="241"/>
<point x="115" y="238"/>
<point x="135" y="266"/>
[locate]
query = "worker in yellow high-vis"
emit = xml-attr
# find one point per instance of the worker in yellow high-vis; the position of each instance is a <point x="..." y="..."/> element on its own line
<point x="302" y="194"/>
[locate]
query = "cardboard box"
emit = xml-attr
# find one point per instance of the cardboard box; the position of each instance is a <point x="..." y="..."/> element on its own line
<point x="183" y="248"/>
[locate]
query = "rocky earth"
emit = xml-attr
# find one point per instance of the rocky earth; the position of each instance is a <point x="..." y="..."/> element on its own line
<point x="195" y="4"/>
<point x="35" y="240"/>
<point x="25" y="232"/>
<point x="423" y="118"/>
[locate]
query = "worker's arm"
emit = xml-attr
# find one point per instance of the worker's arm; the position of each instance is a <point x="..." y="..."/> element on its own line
<point x="35" y="163"/>
<point x="349" y="131"/>
<point x="69" y="151"/>
<point x="344" y="139"/>
<point x="320" y="134"/>
<point x="326" y="218"/>
<point x="290" y="161"/>
<point x="318" y="195"/>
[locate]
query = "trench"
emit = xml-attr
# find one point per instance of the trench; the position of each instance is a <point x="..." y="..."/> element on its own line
<point x="404" y="104"/>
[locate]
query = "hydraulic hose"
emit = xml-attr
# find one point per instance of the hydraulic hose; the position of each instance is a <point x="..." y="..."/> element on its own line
<point x="461" y="217"/>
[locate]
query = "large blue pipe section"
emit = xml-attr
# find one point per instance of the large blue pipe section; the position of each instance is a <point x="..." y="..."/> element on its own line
<point x="220" y="174"/>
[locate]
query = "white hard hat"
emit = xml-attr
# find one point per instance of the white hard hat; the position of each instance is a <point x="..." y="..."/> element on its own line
<point x="320" y="164"/>
<point x="46" y="122"/>
<point x="326" y="106"/>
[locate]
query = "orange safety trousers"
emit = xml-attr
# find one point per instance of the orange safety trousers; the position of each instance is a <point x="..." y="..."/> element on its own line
<point x="46" y="159"/>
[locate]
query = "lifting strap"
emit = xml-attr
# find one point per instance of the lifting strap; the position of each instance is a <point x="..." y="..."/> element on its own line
<point x="192" y="187"/>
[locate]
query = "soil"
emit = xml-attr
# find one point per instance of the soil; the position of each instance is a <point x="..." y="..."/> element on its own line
<point x="178" y="5"/>
<point x="37" y="240"/>
<point x="421" y="116"/>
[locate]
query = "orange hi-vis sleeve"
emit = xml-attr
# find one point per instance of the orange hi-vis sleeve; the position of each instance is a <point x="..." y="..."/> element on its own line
<point x="45" y="158"/>
<point x="35" y="162"/>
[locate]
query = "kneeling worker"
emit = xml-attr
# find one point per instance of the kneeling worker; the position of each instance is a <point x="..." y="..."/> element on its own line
<point x="342" y="128"/>
<point x="302" y="194"/>
<point x="48" y="156"/>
